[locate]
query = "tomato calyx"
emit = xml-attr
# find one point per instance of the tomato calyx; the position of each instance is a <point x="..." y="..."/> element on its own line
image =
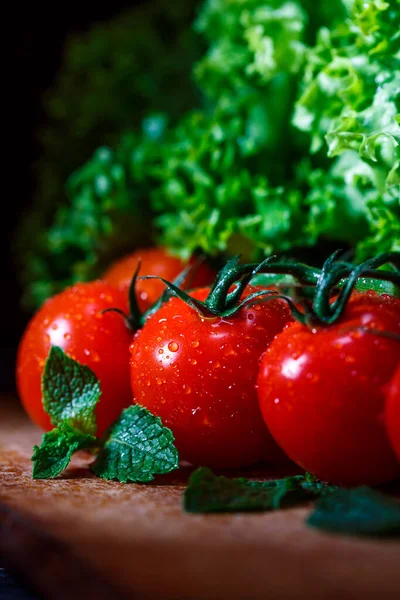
<point x="334" y="284"/>
<point x="222" y="301"/>
<point x="136" y="318"/>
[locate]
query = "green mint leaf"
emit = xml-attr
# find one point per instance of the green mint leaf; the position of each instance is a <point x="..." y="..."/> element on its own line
<point x="138" y="447"/>
<point x="57" y="447"/>
<point x="357" y="511"/>
<point x="70" y="391"/>
<point x="207" y="492"/>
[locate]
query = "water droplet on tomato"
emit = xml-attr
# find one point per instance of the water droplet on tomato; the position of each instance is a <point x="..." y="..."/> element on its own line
<point x="276" y="401"/>
<point x="161" y="351"/>
<point x="67" y="336"/>
<point x="173" y="346"/>
<point x="158" y="381"/>
<point x="187" y="389"/>
<point x="193" y="361"/>
<point x="159" y="339"/>
<point x="230" y="351"/>
<point x="86" y="352"/>
<point x="250" y="316"/>
<point x="195" y="343"/>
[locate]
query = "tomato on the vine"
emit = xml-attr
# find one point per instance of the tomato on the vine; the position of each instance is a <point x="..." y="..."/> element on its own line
<point x="322" y="392"/>
<point x="73" y="321"/>
<point x="392" y="412"/>
<point x="154" y="261"/>
<point x="198" y="374"/>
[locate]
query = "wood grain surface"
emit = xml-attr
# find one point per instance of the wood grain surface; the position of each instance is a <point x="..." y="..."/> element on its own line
<point x="78" y="536"/>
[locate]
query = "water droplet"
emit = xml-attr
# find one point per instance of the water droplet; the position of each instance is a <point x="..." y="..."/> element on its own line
<point x="86" y="352"/>
<point x="173" y="346"/>
<point x="349" y="360"/>
<point x="195" y="343"/>
<point x="54" y="326"/>
<point x="276" y="401"/>
<point x="230" y="351"/>
<point x="159" y="339"/>
<point x="67" y="336"/>
<point x="193" y="361"/>
<point x="187" y="389"/>
<point x="161" y="351"/>
<point x="148" y="383"/>
<point x="161" y="368"/>
<point x="158" y="381"/>
<point x="250" y="316"/>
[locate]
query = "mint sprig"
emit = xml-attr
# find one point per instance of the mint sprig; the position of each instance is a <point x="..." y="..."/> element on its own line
<point x="70" y="391"/>
<point x="57" y="447"/>
<point x="137" y="448"/>
<point x="207" y="492"/>
<point x="357" y="511"/>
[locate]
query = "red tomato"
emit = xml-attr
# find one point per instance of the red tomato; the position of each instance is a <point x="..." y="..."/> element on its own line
<point x="198" y="374"/>
<point x="392" y="412"/>
<point x="322" y="393"/>
<point x="154" y="261"/>
<point x="72" y="321"/>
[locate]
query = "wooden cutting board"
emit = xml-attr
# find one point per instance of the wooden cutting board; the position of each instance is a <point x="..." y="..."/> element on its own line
<point x="81" y="537"/>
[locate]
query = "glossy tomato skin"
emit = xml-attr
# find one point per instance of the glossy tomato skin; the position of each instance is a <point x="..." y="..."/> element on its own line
<point x="322" y="393"/>
<point x="199" y="376"/>
<point x="154" y="261"/>
<point x="392" y="412"/>
<point x="72" y="321"/>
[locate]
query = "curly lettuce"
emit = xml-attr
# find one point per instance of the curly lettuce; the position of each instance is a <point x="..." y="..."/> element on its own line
<point x="294" y="143"/>
<point x="350" y="109"/>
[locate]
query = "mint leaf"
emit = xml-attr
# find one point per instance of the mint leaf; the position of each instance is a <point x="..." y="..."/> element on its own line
<point x="357" y="511"/>
<point x="138" y="447"/>
<point x="70" y="391"/>
<point x="207" y="492"/>
<point x="57" y="447"/>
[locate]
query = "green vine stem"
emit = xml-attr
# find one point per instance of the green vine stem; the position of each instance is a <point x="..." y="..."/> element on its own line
<point x="323" y="293"/>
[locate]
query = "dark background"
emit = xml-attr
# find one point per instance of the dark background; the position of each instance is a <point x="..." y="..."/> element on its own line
<point x="33" y="37"/>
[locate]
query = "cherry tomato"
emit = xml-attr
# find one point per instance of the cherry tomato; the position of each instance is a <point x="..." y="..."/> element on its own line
<point x="154" y="261"/>
<point x="322" y="393"/>
<point x="392" y="412"/>
<point x="72" y="321"/>
<point x="198" y="374"/>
